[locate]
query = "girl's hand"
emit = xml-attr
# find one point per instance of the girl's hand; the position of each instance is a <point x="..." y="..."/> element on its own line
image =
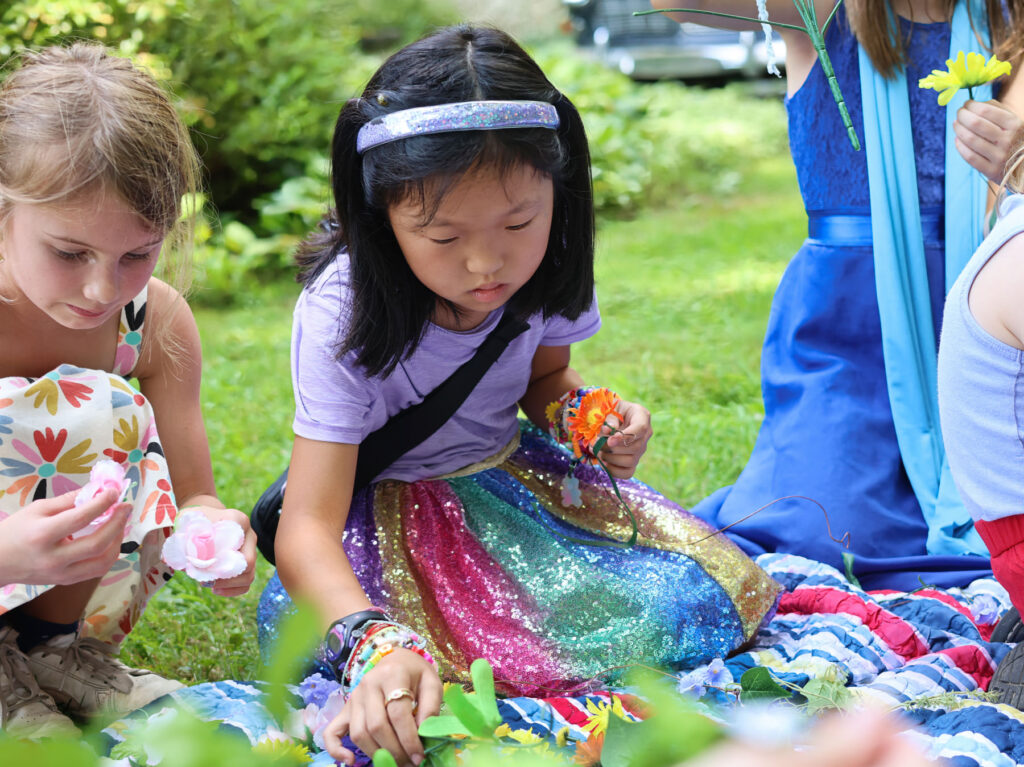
<point x="35" y="548"/>
<point x="858" y="739"/>
<point x="233" y="587"/>
<point x="373" y="722"/>
<point x="622" y="451"/>
<point x="986" y="135"/>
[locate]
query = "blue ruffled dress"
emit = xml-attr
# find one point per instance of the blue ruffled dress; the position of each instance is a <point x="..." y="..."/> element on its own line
<point x="828" y="431"/>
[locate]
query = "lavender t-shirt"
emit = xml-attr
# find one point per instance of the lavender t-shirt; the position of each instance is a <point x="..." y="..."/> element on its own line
<point x="335" y="401"/>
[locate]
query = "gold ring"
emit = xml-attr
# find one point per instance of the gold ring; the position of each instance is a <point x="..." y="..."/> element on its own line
<point x="398" y="694"/>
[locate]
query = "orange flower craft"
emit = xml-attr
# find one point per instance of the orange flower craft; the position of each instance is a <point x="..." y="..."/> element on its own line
<point x="586" y="422"/>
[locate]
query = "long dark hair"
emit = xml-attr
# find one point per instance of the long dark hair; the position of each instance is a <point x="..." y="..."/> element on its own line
<point x="390" y="308"/>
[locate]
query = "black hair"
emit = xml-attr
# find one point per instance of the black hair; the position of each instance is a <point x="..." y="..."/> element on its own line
<point x="390" y="308"/>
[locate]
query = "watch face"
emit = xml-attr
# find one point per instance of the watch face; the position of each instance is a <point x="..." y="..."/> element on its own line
<point x="335" y="643"/>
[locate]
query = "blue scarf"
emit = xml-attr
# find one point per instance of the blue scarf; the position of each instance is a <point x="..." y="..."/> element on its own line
<point x="901" y="279"/>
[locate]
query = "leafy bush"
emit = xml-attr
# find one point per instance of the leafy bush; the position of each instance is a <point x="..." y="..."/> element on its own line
<point x="651" y="141"/>
<point x="261" y="83"/>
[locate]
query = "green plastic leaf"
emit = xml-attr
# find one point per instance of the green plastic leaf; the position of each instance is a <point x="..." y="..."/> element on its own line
<point x="670" y="736"/>
<point x="441" y="727"/>
<point x="758" y="684"/>
<point x="823" y="694"/>
<point x="483" y="697"/>
<point x="624" y="740"/>
<point x="473" y="722"/>
<point x="383" y="758"/>
<point x="848" y="565"/>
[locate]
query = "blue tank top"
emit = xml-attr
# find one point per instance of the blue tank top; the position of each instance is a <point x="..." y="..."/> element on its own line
<point x="981" y="392"/>
<point x="832" y="175"/>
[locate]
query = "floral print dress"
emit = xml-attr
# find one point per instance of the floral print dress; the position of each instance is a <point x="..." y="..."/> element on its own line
<point x="53" y="429"/>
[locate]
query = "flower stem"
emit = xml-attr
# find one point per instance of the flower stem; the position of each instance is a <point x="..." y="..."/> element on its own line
<point x="817" y="34"/>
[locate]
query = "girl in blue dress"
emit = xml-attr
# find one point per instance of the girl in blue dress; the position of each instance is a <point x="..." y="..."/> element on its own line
<point x="838" y="428"/>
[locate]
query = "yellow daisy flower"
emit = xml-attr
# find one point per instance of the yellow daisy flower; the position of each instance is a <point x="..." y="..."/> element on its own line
<point x="966" y="71"/>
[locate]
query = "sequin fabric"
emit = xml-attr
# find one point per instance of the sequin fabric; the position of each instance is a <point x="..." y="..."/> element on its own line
<point x="480" y="565"/>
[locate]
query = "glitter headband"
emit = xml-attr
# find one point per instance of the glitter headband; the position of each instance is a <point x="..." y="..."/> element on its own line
<point x="460" y="116"/>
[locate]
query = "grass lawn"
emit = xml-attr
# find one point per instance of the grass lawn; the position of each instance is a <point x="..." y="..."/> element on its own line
<point x="684" y="291"/>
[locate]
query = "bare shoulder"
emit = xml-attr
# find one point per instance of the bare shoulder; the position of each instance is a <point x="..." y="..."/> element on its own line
<point x="171" y="336"/>
<point x="994" y="298"/>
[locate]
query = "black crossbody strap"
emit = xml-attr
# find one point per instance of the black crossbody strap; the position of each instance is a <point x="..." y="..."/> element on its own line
<point x="411" y="427"/>
<point x="402" y="432"/>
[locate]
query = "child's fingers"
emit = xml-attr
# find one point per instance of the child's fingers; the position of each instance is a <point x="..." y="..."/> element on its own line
<point x="429" y="696"/>
<point x="70" y="519"/>
<point x="57" y="504"/>
<point x="333" y="734"/>
<point x="382" y="721"/>
<point x="401" y="715"/>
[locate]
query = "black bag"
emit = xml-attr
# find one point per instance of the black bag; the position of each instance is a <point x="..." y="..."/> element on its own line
<point x="401" y="433"/>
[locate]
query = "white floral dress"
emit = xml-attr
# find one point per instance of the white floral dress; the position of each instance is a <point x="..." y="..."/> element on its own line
<point x="52" y="430"/>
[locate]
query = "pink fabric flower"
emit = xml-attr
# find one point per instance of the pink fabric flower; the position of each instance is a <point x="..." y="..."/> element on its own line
<point x="207" y="551"/>
<point x="105" y="475"/>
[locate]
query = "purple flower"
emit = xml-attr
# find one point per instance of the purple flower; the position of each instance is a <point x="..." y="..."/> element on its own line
<point x="717" y="674"/>
<point x="714" y="674"/>
<point x="315" y="689"/>
<point x="984" y="609"/>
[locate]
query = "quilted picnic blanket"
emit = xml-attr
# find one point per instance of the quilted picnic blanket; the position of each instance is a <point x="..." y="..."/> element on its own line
<point x="925" y="652"/>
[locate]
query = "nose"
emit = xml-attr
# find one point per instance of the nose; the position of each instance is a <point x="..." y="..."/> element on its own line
<point x="484" y="258"/>
<point x="101" y="285"/>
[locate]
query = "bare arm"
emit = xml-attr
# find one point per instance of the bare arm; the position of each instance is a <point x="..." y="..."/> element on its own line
<point x="550" y="378"/>
<point x="169" y="374"/>
<point x="310" y="557"/>
<point x="995" y="295"/>
<point x="800" y="54"/>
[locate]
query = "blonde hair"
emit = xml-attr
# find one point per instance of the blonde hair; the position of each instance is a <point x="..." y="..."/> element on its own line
<point x="877" y="29"/>
<point x="78" y="119"/>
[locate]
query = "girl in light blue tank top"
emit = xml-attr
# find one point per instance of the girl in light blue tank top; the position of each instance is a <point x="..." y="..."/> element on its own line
<point x="981" y="392"/>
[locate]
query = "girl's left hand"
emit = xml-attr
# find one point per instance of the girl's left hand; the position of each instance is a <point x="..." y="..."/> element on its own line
<point x="234" y="587"/>
<point x="986" y="135"/>
<point x="622" y="451"/>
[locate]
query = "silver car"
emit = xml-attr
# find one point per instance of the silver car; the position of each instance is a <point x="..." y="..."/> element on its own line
<point x="656" y="47"/>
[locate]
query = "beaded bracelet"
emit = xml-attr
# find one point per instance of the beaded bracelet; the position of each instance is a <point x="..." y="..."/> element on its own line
<point x="380" y="639"/>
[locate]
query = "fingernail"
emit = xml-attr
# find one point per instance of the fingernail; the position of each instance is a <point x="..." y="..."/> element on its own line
<point x="416" y="759"/>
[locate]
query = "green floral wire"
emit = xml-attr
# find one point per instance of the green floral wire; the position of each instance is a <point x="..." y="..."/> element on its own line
<point x="817" y="34"/>
<point x="597" y="448"/>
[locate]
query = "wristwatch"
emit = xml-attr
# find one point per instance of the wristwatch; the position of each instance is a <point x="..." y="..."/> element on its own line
<point x="344" y="634"/>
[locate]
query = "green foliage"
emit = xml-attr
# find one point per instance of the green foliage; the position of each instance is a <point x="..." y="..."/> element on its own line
<point x="673" y="733"/>
<point x="122" y="24"/>
<point x="759" y="683"/>
<point x="297" y="638"/>
<point x="651" y="141"/>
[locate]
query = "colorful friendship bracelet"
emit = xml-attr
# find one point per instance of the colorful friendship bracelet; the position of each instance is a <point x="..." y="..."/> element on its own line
<point x="380" y="640"/>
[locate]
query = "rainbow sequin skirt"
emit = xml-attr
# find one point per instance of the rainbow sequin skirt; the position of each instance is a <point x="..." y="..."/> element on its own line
<point x="482" y="565"/>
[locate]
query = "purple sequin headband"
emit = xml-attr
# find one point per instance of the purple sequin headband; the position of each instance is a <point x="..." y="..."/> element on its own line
<point x="460" y="116"/>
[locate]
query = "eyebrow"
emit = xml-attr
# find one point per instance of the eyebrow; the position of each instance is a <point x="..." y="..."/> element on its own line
<point x="73" y="241"/>
<point x="511" y="212"/>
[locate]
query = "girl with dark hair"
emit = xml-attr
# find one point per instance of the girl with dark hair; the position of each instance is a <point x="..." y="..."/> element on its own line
<point x="463" y="202"/>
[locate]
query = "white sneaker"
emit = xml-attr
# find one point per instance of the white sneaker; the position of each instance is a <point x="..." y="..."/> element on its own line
<point x="85" y="679"/>
<point x="26" y="711"/>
